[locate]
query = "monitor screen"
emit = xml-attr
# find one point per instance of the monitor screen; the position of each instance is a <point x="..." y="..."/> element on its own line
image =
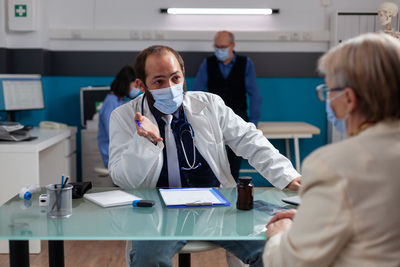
<point x="20" y="92"/>
<point x="91" y="100"/>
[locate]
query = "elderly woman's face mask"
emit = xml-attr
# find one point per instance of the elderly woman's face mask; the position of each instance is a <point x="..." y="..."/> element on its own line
<point x="339" y="124"/>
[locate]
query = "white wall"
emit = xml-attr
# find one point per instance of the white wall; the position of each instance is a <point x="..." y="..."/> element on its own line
<point x="2" y="24"/>
<point x="135" y="24"/>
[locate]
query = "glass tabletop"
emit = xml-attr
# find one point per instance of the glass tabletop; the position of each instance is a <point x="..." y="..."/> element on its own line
<point x="26" y="220"/>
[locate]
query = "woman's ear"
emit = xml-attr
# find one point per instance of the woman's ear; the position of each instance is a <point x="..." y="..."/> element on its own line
<point x="351" y="99"/>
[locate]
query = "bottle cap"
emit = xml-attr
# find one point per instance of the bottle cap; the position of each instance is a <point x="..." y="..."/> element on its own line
<point x="245" y="179"/>
<point x="27" y="195"/>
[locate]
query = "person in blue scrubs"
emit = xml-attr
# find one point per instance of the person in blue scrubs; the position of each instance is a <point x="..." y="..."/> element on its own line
<point x="233" y="78"/>
<point x="123" y="86"/>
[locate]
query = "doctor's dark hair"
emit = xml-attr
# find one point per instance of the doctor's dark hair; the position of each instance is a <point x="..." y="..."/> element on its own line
<point x="370" y="65"/>
<point x="121" y="84"/>
<point x="140" y="60"/>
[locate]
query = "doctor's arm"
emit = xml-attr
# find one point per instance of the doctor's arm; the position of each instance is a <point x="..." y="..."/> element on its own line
<point x="134" y="160"/>
<point x="249" y="142"/>
<point x="321" y="226"/>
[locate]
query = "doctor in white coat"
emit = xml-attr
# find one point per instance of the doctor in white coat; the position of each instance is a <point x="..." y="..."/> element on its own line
<point x="141" y="146"/>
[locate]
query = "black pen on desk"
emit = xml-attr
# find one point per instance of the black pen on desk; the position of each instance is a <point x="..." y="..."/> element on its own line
<point x="143" y="203"/>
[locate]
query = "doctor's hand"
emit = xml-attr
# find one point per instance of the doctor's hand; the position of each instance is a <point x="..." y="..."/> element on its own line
<point x="295" y="184"/>
<point x="147" y="129"/>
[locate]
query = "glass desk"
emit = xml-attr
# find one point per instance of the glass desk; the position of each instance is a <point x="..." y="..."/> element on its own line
<point x="21" y="221"/>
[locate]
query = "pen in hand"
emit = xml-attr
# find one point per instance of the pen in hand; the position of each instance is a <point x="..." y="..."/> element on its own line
<point x="139" y="124"/>
<point x="147" y="128"/>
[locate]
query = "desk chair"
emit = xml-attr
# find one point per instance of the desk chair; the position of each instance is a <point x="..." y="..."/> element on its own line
<point x="192" y="246"/>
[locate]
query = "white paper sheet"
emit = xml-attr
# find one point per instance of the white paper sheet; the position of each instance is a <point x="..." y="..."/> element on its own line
<point x="189" y="197"/>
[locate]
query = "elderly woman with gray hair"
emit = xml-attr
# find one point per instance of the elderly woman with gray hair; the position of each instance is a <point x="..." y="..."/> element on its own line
<point x="349" y="214"/>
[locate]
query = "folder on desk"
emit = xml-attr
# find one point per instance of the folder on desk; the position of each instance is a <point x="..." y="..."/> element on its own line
<point x="193" y="197"/>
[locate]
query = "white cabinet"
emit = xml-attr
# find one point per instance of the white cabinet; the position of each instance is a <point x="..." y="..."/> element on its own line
<point x="40" y="161"/>
<point x="347" y="24"/>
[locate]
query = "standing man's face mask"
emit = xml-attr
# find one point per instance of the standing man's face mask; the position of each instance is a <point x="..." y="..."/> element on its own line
<point x="168" y="100"/>
<point x="222" y="54"/>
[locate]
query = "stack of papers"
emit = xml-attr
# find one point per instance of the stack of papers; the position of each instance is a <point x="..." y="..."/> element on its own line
<point x="111" y="198"/>
<point x="193" y="197"/>
<point x="13" y="131"/>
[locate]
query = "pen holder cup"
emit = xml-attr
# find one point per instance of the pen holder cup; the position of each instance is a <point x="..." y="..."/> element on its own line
<point x="59" y="200"/>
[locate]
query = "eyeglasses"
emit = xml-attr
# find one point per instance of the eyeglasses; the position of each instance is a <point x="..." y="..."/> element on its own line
<point x="323" y="90"/>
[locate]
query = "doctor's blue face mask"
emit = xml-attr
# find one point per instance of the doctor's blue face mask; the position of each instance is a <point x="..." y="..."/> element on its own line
<point x="168" y="100"/>
<point x="222" y="54"/>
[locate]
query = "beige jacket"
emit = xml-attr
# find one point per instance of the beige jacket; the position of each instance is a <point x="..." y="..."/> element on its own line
<point x="350" y="214"/>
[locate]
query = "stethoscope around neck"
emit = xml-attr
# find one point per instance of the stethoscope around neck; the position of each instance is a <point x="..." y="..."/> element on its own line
<point x="181" y="131"/>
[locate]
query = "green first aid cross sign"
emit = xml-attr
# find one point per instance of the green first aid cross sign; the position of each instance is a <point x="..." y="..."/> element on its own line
<point x="20" y="10"/>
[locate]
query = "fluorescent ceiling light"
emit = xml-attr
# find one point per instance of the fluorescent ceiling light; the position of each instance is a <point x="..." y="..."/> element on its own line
<point x="219" y="11"/>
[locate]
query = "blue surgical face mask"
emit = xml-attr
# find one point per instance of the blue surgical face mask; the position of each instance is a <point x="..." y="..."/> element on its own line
<point x="134" y="92"/>
<point x="222" y="54"/>
<point x="168" y="100"/>
<point x="339" y="124"/>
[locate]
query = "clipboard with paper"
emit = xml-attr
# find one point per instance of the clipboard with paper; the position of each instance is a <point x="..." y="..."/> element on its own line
<point x="193" y="197"/>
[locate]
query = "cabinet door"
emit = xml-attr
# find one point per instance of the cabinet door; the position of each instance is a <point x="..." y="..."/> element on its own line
<point x="351" y="24"/>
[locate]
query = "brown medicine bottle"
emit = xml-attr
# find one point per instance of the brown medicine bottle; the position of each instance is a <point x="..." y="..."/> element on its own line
<point x="245" y="192"/>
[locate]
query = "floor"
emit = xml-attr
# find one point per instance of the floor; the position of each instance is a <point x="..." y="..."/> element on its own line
<point x="110" y="254"/>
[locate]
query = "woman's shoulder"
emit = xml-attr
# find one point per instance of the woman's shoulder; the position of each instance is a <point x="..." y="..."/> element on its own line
<point x="331" y="160"/>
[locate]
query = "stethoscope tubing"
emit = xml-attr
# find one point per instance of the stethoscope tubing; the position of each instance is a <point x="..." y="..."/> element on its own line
<point x="192" y="166"/>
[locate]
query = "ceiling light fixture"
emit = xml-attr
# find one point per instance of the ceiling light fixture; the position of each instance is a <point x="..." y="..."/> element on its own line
<point x="219" y="11"/>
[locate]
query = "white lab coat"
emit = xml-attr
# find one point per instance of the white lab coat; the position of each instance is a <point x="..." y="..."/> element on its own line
<point x="136" y="162"/>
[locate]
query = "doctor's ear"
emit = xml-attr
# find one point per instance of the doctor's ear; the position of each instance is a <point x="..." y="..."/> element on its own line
<point x="140" y="85"/>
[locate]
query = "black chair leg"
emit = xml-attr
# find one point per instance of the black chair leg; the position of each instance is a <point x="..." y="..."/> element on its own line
<point x="184" y="259"/>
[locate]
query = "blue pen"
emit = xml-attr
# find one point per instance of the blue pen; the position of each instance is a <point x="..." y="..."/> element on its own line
<point x="138" y="123"/>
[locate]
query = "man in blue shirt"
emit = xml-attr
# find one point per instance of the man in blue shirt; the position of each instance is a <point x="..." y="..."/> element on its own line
<point x="233" y="78"/>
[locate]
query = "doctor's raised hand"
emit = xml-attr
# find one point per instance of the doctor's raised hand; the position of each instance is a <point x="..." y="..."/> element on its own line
<point x="147" y="129"/>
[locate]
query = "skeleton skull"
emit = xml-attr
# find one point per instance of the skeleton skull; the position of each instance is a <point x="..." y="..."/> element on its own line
<point x="386" y="12"/>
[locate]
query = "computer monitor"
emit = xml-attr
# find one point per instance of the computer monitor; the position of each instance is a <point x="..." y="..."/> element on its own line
<point x="91" y="100"/>
<point x="20" y="92"/>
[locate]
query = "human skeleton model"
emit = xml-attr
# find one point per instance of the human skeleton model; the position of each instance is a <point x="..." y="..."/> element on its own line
<point x="386" y="12"/>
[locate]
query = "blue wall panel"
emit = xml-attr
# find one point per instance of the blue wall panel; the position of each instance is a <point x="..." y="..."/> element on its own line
<point x="284" y="99"/>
